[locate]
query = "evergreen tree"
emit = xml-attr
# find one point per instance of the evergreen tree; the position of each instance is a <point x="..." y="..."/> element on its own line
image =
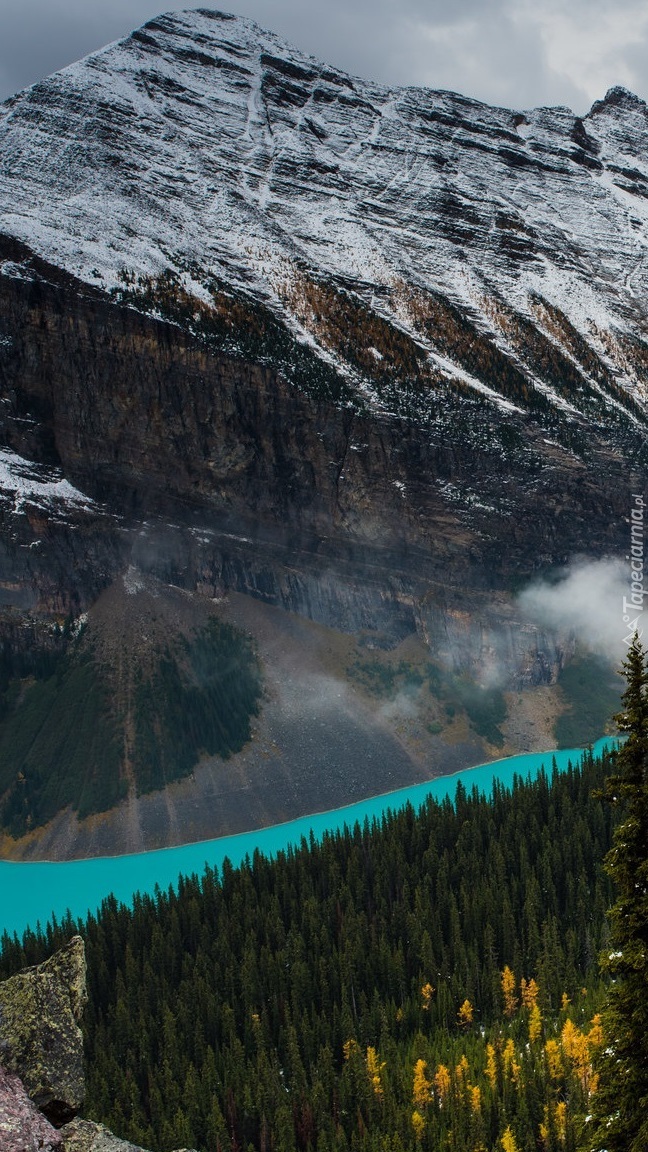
<point x="621" y="1110"/>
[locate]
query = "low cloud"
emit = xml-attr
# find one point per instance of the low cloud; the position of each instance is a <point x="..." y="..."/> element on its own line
<point x="586" y="599"/>
<point x="404" y="706"/>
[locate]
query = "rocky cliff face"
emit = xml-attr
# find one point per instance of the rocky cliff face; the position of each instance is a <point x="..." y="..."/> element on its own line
<point x="372" y="356"/>
<point x="152" y="424"/>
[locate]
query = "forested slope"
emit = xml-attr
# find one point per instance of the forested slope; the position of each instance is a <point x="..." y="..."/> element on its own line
<point x="432" y="981"/>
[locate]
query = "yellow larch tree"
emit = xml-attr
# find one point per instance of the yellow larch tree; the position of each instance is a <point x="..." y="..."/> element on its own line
<point x="418" y="1124"/>
<point x="575" y="1046"/>
<point x="491" y="1065"/>
<point x="508" y="1141"/>
<point x="508" y="992"/>
<point x="545" y="1134"/>
<point x="374" y="1068"/>
<point x="560" y="1119"/>
<point x="442" y="1084"/>
<point x="529" y="992"/>
<point x="535" y="1024"/>
<point x="595" y="1035"/>
<point x="465" y="1014"/>
<point x="427" y="992"/>
<point x="554" y="1059"/>
<point x="550" y="1132"/>
<point x="511" y="1066"/>
<point x="422" y="1088"/>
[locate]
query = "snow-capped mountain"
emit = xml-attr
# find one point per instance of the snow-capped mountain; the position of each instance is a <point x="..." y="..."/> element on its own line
<point x="374" y="356"/>
<point x="205" y="148"/>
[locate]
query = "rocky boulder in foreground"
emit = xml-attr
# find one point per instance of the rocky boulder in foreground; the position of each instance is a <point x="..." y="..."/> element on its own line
<point x="22" y="1127"/>
<point x="42" y="1082"/>
<point x="40" y="1037"/>
<point x="86" y="1136"/>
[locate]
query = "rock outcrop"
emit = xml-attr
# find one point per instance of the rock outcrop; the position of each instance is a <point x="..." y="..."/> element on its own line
<point x="86" y="1136"/>
<point x="40" y="1037"/>
<point x="41" y="1060"/>
<point x="22" y="1127"/>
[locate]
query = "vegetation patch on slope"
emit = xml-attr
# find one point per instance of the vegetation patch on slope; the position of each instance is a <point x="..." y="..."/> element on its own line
<point x="592" y="693"/>
<point x="560" y="327"/>
<point x="59" y="743"/>
<point x="91" y="721"/>
<point x="377" y="350"/>
<point x="483" y="707"/>
<point x="237" y="325"/>
<point x="198" y="699"/>
<point x="458" y="338"/>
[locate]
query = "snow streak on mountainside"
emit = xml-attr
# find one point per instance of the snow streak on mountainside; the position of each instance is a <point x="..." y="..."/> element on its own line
<point x="415" y="243"/>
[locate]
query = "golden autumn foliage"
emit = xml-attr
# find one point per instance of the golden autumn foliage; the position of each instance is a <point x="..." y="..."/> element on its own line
<point x="509" y="1143"/>
<point x="465" y="1014"/>
<point x="574" y="1043"/>
<point x="427" y="992"/>
<point x="508" y="992"/>
<point x="595" y="1035"/>
<point x="374" y="1069"/>
<point x="422" y="1088"/>
<point x="560" y="1118"/>
<point x="511" y="1064"/>
<point x="535" y="1024"/>
<point x="418" y="1124"/>
<point x="553" y="1059"/>
<point x="442" y="1083"/>
<point x="555" y="1120"/>
<point x="529" y="993"/>
<point x="579" y="1048"/>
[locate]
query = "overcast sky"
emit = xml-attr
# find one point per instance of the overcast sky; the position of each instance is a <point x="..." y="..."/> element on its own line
<point x="518" y="53"/>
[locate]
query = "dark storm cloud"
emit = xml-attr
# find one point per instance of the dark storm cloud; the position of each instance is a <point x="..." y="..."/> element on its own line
<point x="518" y="53"/>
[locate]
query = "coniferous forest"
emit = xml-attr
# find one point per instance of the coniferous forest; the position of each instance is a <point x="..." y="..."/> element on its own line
<point x="431" y="982"/>
<point x="456" y="979"/>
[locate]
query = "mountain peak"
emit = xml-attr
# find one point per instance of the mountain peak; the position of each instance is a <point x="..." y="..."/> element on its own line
<point x="618" y="97"/>
<point x="204" y="150"/>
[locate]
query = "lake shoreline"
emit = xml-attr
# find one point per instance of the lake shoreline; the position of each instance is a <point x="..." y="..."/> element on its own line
<point x="34" y="891"/>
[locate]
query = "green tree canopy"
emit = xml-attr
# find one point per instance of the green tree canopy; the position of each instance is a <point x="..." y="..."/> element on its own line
<point x="621" y="1111"/>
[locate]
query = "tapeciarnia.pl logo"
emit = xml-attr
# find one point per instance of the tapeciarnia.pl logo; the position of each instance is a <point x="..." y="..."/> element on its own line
<point x="633" y="605"/>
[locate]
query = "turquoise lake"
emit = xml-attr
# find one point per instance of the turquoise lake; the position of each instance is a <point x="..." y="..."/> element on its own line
<point x="31" y="893"/>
